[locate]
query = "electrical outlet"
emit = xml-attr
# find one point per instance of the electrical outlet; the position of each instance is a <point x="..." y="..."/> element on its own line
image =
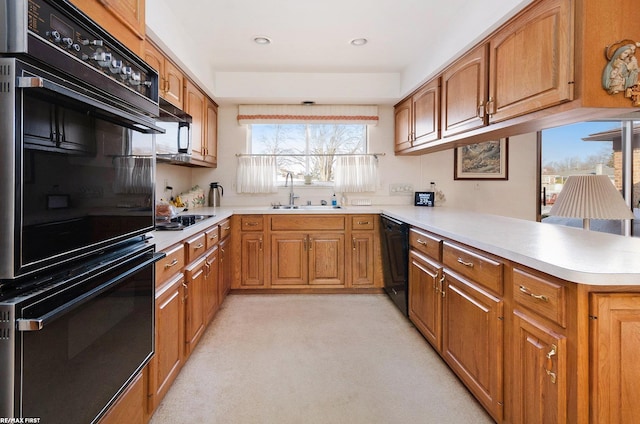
<point x="400" y="189"/>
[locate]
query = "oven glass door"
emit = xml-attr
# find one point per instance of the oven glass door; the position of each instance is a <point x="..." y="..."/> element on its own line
<point x="82" y="345"/>
<point x="82" y="188"/>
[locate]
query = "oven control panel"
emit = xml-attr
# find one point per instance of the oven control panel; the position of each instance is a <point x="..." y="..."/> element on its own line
<point x="71" y="37"/>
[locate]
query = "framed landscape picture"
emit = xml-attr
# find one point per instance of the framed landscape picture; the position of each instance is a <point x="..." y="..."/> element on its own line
<point x="482" y="161"/>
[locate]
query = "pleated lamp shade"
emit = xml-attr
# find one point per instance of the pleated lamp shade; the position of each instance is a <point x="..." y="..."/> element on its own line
<point x="590" y="197"/>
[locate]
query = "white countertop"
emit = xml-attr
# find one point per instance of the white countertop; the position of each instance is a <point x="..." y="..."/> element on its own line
<point x="572" y="254"/>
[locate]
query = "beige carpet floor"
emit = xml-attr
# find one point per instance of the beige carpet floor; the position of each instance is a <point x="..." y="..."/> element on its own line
<point x="315" y="359"/>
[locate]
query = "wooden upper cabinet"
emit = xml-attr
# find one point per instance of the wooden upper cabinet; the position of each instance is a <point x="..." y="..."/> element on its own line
<point x="417" y="119"/>
<point x="171" y="84"/>
<point x="426" y="113"/>
<point x="531" y="61"/>
<point x="403" y="126"/>
<point x="211" y="136"/>
<point x="194" y="105"/>
<point x="464" y="92"/>
<point x="124" y="19"/>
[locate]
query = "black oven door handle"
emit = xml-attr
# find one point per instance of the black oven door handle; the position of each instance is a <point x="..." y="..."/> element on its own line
<point x="136" y="122"/>
<point x="36" y="324"/>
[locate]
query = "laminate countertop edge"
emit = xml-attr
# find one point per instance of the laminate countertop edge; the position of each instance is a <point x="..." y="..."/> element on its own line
<point x="571" y="254"/>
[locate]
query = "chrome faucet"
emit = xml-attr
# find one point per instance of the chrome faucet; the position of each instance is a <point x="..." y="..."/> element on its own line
<point x="292" y="197"/>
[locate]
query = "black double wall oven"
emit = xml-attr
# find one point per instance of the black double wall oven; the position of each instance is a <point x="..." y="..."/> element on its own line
<point x="76" y="261"/>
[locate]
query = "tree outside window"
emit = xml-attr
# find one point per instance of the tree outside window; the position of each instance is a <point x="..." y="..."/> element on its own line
<point x="307" y="149"/>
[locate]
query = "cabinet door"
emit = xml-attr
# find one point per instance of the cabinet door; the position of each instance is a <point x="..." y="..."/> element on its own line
<point x="531" y="61"/>
<point x="362" y="257"/>
<point x="169" y="331"/>
<point x="403" y="126"/>
<point x="289" y="259"/>
<point x="224" y="283"/>
<point x="155" y="59"/>
<point x="426" y="113"/>
<point x="173" y="89"/>
<point x="425" y="298"/>
<point x="129" y="408"/>
<point x="464" y="93"/>
<point x="212" y="278"/>
<point x="539" y="377"/>
<point x="211" y="138"/>
<point x="194" y="299"/>
<point x="472" y="340"/>
<point x="615" y="368"/>
<point x="326" y="258"/>
<point x="252" y="260"/>
<point x="195" y="106"/>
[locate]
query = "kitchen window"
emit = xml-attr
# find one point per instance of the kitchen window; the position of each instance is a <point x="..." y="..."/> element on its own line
<point x="308" y="151"/>
<point x="599" y="147"/>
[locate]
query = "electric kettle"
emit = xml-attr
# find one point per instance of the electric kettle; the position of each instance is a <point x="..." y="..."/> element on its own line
<point x="215" y="193"/>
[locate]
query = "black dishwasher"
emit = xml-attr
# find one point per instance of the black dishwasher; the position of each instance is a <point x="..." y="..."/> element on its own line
<point x="395" y="261"/>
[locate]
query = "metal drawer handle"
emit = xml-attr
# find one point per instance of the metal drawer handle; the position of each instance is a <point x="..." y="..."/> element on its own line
<point x="549" y="365"/>
<point x="250" y="224"/>
<point x="363" y="222"/>
<point x="541" y="297"/>
<point x="213" y="237"/>
<point x="424" y="243"/>
<point x="227" y="228"/>
<point x="469" y="264"/>
<point x="200" y="246"/>
<point x="174" y="262"/>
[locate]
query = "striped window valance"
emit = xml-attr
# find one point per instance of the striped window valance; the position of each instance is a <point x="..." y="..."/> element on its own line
<point x="299" y="114"/>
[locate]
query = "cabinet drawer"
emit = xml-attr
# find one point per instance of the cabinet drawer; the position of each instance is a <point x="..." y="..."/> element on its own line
<point x="544" y="297"/>
<point x="170" y="264"/>
<point x="425" y="243"/>
<point x="474" y="265"/>
<point x="225" y="228"/>
<point x="212" y="236"/>
<point x="362" y="222"/>
<point x="196" y="246"/>
<point x="252" y="223"/>
<point x="307" y="222"/>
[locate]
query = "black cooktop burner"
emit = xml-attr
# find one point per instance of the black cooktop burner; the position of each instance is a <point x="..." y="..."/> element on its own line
<point x="180" y="222"/>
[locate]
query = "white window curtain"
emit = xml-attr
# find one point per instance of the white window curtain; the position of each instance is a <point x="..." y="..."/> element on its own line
<point x="256" y="174"/>
<point x="356" y="173"/>
<point x="309" y="114"/>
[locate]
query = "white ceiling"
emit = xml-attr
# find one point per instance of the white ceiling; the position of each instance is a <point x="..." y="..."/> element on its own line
<point x="310" y="57"/>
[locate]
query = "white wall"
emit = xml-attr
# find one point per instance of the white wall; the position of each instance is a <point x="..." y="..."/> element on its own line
<point x="232" y="140"/>
<point x="515" y="197"/>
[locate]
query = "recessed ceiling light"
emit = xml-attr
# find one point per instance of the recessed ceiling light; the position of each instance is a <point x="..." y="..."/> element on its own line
<point x="261" y="39"/>
<point x="358" y="41"/>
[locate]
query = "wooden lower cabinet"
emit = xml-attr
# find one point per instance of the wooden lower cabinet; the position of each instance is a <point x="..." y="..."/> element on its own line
<point x="540" y="383"/>
<point x="307" y="259"/>
<point x="252" y="259"/>
<point x="194" y="293"/>
<point x="211" y="281"/>
<point x="169" y="333"/>
<point x="472" y="339"/>
<point x="426" y="296"/>
<point x="130" y="406"/>
<point x="362" y="259"/>
<point x="224" y="273"/>
<point x="615" y="369"/>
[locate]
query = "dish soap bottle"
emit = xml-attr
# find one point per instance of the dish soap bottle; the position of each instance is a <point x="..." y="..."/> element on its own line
<point x="334" y="200"/>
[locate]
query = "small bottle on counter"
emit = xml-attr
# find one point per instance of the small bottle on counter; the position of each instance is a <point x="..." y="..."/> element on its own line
<point x="334" y="200"/>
